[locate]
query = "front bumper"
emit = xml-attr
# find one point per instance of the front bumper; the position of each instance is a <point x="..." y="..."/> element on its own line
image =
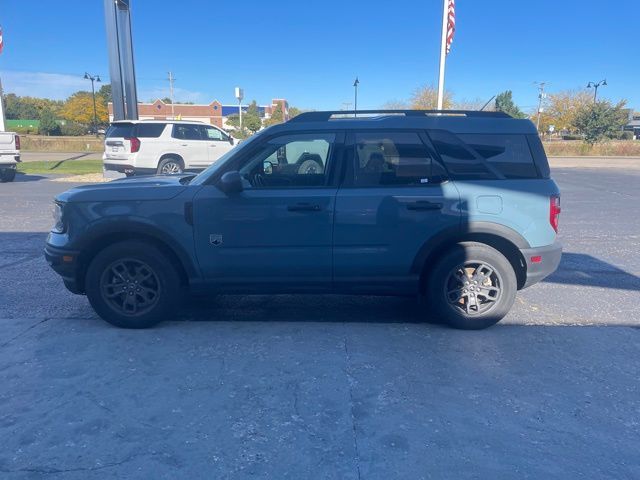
<point x="541" y="262"/>
<point x="65" y="263"/>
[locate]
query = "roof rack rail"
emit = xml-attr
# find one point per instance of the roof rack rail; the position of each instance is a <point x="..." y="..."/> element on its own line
<point x="323" y="116"/>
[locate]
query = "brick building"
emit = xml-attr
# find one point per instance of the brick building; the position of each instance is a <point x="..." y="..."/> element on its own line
<point x="214" y="113"/>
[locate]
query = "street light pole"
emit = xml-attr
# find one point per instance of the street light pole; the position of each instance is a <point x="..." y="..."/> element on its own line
<point x="93" y="78"/>
<point x="595" y="86"/>
<point x="355" y="100"/>
<point x="540" y="98"/>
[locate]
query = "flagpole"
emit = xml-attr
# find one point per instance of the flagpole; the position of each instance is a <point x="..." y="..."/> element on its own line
<point x="443" y="54"/>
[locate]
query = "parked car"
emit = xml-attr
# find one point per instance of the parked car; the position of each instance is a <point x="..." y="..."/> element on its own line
<point x="9" y="156"/>
<point x="456" y="208"/>
<point x="155" y="147"/>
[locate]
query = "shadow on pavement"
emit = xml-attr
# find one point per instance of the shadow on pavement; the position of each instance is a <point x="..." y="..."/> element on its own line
<point x="25" y="177"/>
<point x="585" y="270"/>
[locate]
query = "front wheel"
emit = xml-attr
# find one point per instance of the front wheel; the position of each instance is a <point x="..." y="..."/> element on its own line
<point x="133" y="285"/>
<point x="7" y="175"/>
<point x="472" y="287"/>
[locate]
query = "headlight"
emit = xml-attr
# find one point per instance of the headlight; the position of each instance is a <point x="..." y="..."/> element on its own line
<point x="58" y="221"/>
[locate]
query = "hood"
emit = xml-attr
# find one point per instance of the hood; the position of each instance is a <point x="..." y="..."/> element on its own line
<point x="161" y="187"/>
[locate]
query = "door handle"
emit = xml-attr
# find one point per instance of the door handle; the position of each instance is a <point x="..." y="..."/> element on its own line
<point x="304" y="207"/>
<point x="424" y="205"/>
<point x="184" y="144"/>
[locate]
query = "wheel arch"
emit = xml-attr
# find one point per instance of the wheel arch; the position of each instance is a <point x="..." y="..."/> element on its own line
<point x="177" y="156"/>
<point x="504" y="239"/>
<point x="101" y="238"/>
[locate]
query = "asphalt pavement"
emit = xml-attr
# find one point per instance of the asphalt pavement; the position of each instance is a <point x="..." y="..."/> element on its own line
<point x="329" y="386"/>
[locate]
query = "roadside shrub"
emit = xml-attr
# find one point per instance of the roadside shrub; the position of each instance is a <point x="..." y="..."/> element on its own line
<point x="25" y="130"/>
<point x="73" y="129"/>
<point x="626" y="135"/>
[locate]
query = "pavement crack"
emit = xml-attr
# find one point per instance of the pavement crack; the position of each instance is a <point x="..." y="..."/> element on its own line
<point x="347" y="358"/>
<point x="25" y="332"/>
<point x="52" y="471"/>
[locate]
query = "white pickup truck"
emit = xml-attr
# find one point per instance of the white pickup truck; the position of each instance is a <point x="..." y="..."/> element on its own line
<point x="9" y="155"/>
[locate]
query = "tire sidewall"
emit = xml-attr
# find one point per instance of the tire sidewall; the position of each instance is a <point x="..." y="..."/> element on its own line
<point x="170" y="289"/>
<point x="471" y="252"/>
<point x="7" y="175"/>
<point x="168" y="160"/>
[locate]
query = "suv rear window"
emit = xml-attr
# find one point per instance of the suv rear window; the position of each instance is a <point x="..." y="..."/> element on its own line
<point x="149" y="130"/>
<point x="485" y="156"/>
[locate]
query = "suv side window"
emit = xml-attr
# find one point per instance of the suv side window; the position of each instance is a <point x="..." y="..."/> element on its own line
<point x="510" y="154"/>
<point x="186" y="132"/>
<point x="149" y="130"/>
<point x="461" y="161"/>
<point x="392" y="158"/>
<point x="294" y="160"/>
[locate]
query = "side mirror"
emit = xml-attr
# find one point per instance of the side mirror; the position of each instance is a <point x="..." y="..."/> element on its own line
<point x="231" y="182"/>
<point x="267" y="167"/>
<point x="232" y="140"/>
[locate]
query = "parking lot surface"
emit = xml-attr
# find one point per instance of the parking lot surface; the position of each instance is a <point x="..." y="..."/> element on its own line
<point x="329" y="386"/>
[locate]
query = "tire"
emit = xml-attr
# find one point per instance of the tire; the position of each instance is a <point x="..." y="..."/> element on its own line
<point x="7" y="175"/>
<point x="170" y="166"/>
<point x="471" y="306"/>
<point x="133" y="285"/>
<point x="309" y="167"/>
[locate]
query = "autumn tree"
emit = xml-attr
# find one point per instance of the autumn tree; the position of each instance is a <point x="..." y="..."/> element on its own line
<point x="294" y="112"/>
<point x="79" y="108"/>
<point x="426" y="98"/>
<point x="561" y="109"/>
<point x="251" y="119"/>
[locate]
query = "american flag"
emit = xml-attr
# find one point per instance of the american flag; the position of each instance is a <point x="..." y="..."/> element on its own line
<point x="451" y="23"/>
<point x="1" y="41"/>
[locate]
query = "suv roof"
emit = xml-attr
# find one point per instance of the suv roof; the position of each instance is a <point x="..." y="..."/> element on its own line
<point x="456" y="121"/>
<point x="149" y="120"/>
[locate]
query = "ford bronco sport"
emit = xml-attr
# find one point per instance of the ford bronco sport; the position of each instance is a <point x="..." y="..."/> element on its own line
<point x="456" y="207"/>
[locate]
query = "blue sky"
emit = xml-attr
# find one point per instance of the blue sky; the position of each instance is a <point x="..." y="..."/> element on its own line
<point x="310" y="52"/>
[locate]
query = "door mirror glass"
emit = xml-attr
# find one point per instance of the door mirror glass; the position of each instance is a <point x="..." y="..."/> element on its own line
<point x="230" y="182"/>
<point x="267" y="166"/>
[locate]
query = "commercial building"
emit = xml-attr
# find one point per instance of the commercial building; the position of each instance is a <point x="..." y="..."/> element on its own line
<point x="214" y="113"/>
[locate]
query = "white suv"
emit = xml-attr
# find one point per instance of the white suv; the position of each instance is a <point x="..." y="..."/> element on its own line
<point x="163" y="146"/>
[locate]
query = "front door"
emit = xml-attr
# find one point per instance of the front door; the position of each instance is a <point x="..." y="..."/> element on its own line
<point x="191" y="145"/>
<point x="394" y="200"/>
<point x="277" y="232"/>
<point x="218" y="143"/>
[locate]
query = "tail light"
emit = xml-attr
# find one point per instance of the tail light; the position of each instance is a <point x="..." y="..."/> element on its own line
<point x="17" y="142"/>
<point x="135" y="144"/>
<point x="554" y="211"/>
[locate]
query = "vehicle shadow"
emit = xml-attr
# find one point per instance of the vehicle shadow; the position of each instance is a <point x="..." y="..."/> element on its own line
<point x="26" y="177"/>
<point x="586" y="270"/>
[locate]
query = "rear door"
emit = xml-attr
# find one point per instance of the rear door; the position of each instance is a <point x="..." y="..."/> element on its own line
<point x="395" y="198"/>
<point x="218" y="142"/>
<point x="191" y="145"/>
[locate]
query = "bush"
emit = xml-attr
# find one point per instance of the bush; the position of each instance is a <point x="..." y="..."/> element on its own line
<point x="73" y="129"/>
<point x="626" y="135"/>
<point x="572" y="137"/>
<point x="25" y="130"/>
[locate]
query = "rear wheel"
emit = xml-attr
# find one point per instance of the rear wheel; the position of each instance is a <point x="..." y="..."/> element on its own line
<point x="170" y="165"/>
<point x="133" y="285"/>
<point x="473" y="286"/>
<point x="7" y="175"/>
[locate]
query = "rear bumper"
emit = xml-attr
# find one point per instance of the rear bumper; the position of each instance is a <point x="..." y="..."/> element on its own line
<point x="9" y="160"/>
<point x="541" y="262"/>
<point x="128" y="169"/>
<point x="64" y="263"/>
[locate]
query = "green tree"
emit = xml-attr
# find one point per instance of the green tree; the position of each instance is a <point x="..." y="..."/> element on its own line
<point x="48" y="124"/>
<point x="251" y="119"/>
<point x="105" y="93"/>
<point x="277" y="116"/>
<point x="601" y="120"/>
<point x="505" y="103"/>
<point x="294" y="112"/>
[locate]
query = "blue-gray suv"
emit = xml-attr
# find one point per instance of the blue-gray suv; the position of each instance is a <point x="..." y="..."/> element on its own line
<point x="455" y="207"/>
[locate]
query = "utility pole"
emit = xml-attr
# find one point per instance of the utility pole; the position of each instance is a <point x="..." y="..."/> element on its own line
<point x="541" y="96"/>
<point x="355" y="103"/>
<point x="239" y="93"/>
<point x="171" y="80"/>
<point x="346" y="105"/>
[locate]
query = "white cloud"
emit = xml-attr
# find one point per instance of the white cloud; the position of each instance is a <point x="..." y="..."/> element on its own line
<point x="179" y="94"/>
<point x="59" y="86"/>
<point x="56" y="86"/>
